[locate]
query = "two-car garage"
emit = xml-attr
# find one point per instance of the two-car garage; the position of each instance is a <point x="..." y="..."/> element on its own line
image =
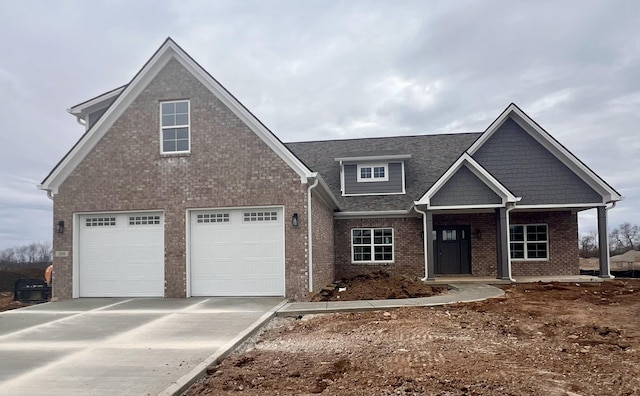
<point x="229" y="252"/>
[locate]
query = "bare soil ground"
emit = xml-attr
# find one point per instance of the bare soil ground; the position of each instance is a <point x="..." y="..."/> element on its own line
<point x="380" y="285"/>
<point x="7" y="303"/>
<point x="540" y="339"/>
<point x="8" y="278"/>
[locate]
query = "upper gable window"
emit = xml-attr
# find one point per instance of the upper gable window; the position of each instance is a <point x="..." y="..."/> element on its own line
<point x="175" y="127"/>
<point x="373" y="173"/>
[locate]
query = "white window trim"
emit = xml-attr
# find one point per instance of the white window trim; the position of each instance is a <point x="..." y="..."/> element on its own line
<point x="373" y="245"/>
<point x="373" y="178"/>
<point x="162" y="128"/>
<point x="525" y="242"/>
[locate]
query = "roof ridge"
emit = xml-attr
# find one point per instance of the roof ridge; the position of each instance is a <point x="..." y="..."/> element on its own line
<point x="386" y="137"/>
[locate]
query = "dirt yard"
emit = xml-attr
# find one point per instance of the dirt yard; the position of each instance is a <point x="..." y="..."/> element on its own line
<point x="7" y="303"/>
<point x="378" y="286"/>
<point x="540" y="339"/>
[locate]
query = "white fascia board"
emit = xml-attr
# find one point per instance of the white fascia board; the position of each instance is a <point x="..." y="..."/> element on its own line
<point x="373" y="194"/>
<point x="95" y="103"/>
<point x="464" y="207"/>
<point x="477" y="170"/>
<point x="131" y="91"/>
<point x="370" y="214"/>
<point x="551" y="144"/>
<point x="559" y="206"/>
<point x="374" y="158"/>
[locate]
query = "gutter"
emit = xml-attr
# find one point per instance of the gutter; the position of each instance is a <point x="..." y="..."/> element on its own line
<point x="310" y="232"/>
<point x="373" y="213"/>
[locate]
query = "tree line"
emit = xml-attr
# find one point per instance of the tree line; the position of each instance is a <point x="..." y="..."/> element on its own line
<point x="621" y="239"/>
<point x="36" y="254"/>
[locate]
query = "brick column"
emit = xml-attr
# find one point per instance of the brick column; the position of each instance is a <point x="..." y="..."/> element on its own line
<point x="431" y="265"/>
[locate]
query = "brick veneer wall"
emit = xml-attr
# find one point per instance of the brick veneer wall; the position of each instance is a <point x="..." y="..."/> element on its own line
<point x="408" y="251"/>
<point x="409" y="256"/>
<point x="228" y="166"/>
<point x="563" y="244"/>
<point x="323" y="247"/>
<point x="483" y="251"/>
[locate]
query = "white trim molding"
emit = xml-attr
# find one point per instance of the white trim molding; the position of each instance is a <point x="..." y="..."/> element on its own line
<point x="373" y="178"/>
<point x="374" y="158"/>
<point x="372" y="214"/>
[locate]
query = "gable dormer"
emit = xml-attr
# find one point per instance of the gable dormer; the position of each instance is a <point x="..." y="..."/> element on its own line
<point x="372" y="175"/>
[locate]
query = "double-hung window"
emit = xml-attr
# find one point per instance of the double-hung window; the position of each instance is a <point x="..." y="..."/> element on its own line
<point x="529" y="241"/>
<point x="175" y="128"/>
<point x="373" y="173"/>
<point x="372" y="245"/>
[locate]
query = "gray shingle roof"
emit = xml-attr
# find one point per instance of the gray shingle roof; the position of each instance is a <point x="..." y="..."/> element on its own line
<point x="431" y="156"/>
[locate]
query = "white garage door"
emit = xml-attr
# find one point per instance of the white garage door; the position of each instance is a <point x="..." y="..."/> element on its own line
<point x="238" y="252"/>
<point x="121" y="255"/>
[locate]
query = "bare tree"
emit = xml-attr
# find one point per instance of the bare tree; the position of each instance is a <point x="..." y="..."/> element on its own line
<point x="35" y="254"/>
<point x="588" y="245"/>
<point x="624" y="238"/>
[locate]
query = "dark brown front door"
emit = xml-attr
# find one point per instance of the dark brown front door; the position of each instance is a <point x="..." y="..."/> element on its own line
<point x="452" y="247"/>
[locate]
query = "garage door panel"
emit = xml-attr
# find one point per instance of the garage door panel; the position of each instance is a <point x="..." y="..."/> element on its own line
<point x="121" y="255"/>
<point x="242" y="256"/>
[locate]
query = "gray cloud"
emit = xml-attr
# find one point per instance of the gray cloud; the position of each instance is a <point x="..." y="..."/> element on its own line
<point x="321" y="70"/>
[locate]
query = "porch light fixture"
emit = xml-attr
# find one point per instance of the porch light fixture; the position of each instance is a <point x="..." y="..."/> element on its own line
<point x="60" y="227"/>
<point x="478" y="234"/>
<point x="294" y="220"/>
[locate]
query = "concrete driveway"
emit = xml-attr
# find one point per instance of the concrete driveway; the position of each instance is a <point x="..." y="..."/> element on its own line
<point x="142" y="346"/>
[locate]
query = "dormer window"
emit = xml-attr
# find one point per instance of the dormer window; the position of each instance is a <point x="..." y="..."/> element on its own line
<point x="175" y="128"/>
<point x="373" y="173"/>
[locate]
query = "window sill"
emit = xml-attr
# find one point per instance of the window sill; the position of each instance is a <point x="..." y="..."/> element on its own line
<point x="177" y="154"/>
<point x="530" y="260"/>
<point x="372" y="262"/>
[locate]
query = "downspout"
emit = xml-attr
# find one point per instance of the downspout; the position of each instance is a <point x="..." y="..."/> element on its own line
<point x="424" y="241"/>
<point x="509" y="209"/>
<point x="310" y="233"/>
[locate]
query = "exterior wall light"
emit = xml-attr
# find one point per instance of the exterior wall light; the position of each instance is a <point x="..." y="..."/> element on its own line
<point x="60" y="227"/>
<point x="478" y="234"/>
<point x="294" y="220"/>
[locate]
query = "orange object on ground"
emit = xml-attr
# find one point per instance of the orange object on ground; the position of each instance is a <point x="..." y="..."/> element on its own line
<point x="48" y="273"/>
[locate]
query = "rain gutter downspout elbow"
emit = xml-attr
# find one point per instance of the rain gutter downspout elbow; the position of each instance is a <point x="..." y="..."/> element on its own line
<point x="310" y="232"/>
<point x="424" y="240"/>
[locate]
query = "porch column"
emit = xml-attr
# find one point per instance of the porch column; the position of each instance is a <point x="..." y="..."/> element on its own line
<point x="603" y="243"/>
<point x="502" y="247"/>
<point x="431" y="267"/>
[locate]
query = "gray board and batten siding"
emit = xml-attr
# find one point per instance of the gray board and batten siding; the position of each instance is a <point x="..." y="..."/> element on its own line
<point x="530" y="171"/>
<point x="464" y="188"/>
<point x="391" y="186"/>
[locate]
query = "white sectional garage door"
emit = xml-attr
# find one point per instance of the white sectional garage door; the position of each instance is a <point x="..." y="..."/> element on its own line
<point x="237" y="252"/>
<point x="121" y="255"/>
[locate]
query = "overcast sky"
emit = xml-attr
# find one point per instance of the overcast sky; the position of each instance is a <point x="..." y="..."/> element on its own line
<point x="315" y="70"/>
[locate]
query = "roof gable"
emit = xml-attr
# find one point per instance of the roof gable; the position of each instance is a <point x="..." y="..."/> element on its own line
<point x="536" y="132"/>
<point x="169" y="50"/>
<point x="463" y="163"/>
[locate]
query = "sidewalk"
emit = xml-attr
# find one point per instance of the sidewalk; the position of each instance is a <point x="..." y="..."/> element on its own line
<point x="460" y="292"/>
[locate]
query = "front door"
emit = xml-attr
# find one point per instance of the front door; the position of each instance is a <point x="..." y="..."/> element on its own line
<point x="452" y="249"/>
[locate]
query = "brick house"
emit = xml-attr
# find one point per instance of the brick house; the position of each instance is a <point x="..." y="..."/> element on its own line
<point x="177" y="190"/>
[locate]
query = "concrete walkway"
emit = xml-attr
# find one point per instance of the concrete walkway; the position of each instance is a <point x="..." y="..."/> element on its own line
<point x="141" y="346"/>
<point x="460" y="292"/>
